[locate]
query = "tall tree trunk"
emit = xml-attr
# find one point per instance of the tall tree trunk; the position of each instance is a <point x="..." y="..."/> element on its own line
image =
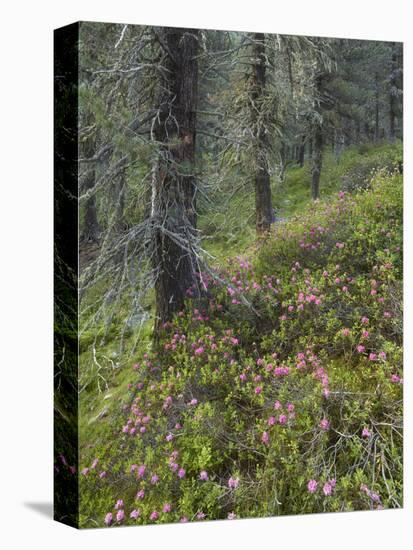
<point x="310" y="149"/>
<point x="395" y="88"/>
<point x="376" y="108"/>
<point x="317" y="162"/>
<point x="91" y="227"/>
<point x="263" y="205"/>
<point x="301" y="151"/>
<point x="174" y="186"/>
<point x="283" y="161"/>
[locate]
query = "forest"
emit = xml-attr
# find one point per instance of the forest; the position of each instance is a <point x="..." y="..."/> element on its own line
<point x="240" y="279"/>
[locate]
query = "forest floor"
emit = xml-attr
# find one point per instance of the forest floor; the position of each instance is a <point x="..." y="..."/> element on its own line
<point x="289" y="404"/>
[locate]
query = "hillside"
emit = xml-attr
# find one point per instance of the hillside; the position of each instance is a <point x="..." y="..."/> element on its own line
<point x="280" y="392"/>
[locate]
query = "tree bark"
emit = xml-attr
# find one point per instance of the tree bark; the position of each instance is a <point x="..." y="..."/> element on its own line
<point x="395" y="89"/>
<point x="174" y="186"/>
<point x="376" y="108"/>
<point x="91" y="227"/>
<point x="317" y="162"/>
<point x="301" y="152"/>
<point x="263" y="203"/>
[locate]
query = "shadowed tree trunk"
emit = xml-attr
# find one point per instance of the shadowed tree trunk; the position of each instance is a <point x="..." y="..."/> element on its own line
<point x="317" y="162"/>
<point x="174" y="186"/>
<point x="396" y="85"/>
<point x="376" y="108"/>
<point x="263" y="206"/>
<point x="91" y="227"/>
<point x="301" y="151"/>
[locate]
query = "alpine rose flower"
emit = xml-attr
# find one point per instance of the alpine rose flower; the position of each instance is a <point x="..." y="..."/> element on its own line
<point x="108" y="518"/>
<point x="327" y="489"/>
<point x="154" y="479"/>
<point x="324" y="424"/>
<point x="365" y="433"/>
<point x="312" y="486"/>
<point x="233" y="482"/>
<point x="265" y="438"/>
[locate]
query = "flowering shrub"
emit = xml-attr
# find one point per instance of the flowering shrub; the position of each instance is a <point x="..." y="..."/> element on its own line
<point x="282" y="394"/>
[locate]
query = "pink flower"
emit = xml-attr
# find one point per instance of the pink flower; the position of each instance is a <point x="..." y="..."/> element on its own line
<point x="193" y="402"/>
<point x="120" y="516"/>
<point x="140" y="494"/>
<point x="119" y="504"/>
<point x="94" y="463"/>
<point x="277" y="405"/>
<point x="360" y="348"/>
<point x="102" y="475"/>
<point x="183" y="519"/>
<point x="382" y="355"/>
<point x="135" y="514"/>
<point x="200" y="515"/>
<point x="365" y="320"/>
<point x="233" y="482"/>
<point x="154" y="479"/>
<point x="203" y="475"/>
<point x="324" y="424"/>
<point x="282" y="419"/>
<point x="373" y="357"/>
<point x="265" y="438"/>
<point x="166" y="508"/>
<point x="345" y="332"/>
<point x="365" y="432"/>
<point x="181" y="473"/>
<point x="327" y="489"/>
<point x="169" y="437"/>
<point x="365" y="334"/>
<point x="108" y="518"/>
<point x="199" y="350"/>
<point x="258" y="390"/>
<point x="395" y="378"/>
<point x="154" y="515"/>
<point x="85" y="471"/>
<point x="271" y="421"/>
<point x="312" y="486"/>
<point x="243" y="377"/>
<point x="141" y="471"/>
<point x="232" y="515"/>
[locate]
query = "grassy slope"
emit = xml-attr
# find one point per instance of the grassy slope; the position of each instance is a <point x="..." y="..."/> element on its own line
<point x="101" y="437"/>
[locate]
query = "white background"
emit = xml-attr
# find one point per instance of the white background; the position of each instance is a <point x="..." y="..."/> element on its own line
<point x="26" y="270"/>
